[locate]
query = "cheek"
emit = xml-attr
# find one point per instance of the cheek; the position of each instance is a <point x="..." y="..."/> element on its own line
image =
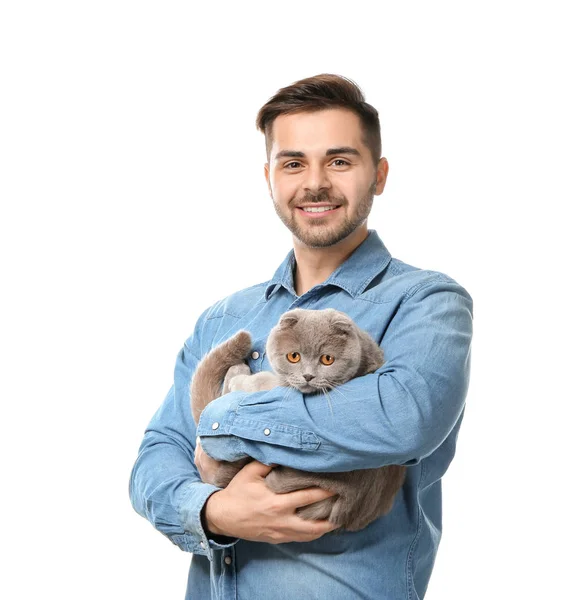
<point x="284" y="188"/>
<point x="326" y="371"/>
<point x="338" y="370"/>
<point x="289" y="368"/>
<point x="281" y="365"/>
<point x="353" y="187"/>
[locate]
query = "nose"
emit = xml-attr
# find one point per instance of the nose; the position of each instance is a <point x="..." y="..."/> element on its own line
<point x="316" y="179"/>
<point x="308" y="377"/>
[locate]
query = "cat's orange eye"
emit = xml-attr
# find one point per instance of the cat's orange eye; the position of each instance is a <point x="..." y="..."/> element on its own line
<point x="327" y="359"/>
<point x="293" y="357"/>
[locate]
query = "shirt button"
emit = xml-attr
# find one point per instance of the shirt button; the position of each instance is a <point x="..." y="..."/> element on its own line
<point x="266" y="431"/>
<point x="228" y="560"/>
<point x="255" y="355"/>
<point x="202" y="544"/>
<point x="215" y="426"/>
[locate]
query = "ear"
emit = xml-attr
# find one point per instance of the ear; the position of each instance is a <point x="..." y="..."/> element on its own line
<point x="340" y="322"/>
<point x="288" y="320"/>
<point x="266" y="172"/>
<point x="341" y="326"/>
<point x="381" y="176"/>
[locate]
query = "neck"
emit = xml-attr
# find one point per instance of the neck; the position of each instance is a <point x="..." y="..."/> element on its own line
<point x="315" y="265"/>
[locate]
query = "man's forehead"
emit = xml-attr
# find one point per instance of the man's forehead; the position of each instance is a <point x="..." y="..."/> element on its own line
<point x="313" y="131"/>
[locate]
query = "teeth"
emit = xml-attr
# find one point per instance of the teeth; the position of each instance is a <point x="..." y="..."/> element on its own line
<point x="318" y="209"/>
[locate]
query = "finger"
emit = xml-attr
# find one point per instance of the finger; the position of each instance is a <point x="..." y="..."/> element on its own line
<point x="200" y="463"/>
<point x="198" y="449"/>
<point x="306" y="496"/>
<point x="321" y="527"/>
<point x="310" y="529"/>
<point x="198" y="452"/>
<point x="256" y="469"/>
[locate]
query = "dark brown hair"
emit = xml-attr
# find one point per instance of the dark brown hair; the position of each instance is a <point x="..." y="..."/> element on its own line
<point x="318" y="93"/>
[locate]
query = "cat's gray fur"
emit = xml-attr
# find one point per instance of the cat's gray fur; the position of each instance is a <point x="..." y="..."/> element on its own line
<point x="362" y="496"/>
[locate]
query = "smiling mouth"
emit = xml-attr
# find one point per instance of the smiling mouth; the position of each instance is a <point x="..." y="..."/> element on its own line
<point x="318" y="211"/>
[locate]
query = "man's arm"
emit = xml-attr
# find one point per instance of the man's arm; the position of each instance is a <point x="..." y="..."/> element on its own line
<point x="398" y="415"/>
<point x="165" y="486"/>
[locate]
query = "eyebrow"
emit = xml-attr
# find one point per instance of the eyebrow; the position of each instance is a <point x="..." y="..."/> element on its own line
<point x="329" y="152"/>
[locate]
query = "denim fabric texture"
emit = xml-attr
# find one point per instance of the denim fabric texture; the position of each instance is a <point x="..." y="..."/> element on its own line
<point x="408" y="412"/>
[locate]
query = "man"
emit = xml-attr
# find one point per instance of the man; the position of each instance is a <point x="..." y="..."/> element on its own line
<point x="324" y="167"/>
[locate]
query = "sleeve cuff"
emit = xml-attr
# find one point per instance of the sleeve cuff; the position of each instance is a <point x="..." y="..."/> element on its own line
<point x="194" y="540"/>
<point x="228" y="425"/>
<point x="214" y="427"/>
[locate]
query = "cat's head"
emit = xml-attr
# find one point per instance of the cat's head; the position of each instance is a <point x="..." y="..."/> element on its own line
<point x="316" y="350"/>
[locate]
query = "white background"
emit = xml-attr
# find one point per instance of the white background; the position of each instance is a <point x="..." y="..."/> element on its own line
<point x="132" y="197"/>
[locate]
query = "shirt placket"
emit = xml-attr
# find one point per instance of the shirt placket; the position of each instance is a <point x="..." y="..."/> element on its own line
<point x="224" y="573"/>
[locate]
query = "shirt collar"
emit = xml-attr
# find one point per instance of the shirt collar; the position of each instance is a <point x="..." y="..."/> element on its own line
<point x="367" y="261"/>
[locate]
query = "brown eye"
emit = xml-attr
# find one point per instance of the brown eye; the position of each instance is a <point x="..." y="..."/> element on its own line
<point x="327" y="359"/>
<point x="293" y="357"/>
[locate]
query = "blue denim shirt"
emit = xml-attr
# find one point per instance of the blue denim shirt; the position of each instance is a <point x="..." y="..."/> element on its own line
<point x="408" y="412"/>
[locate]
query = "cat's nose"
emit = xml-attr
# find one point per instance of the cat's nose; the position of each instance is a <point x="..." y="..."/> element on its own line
<point x="308" y="377"/>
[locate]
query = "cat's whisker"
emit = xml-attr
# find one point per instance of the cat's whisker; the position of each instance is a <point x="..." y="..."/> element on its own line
<point x="335" y="389"/>
<point x="325" y="391"/>
<point x="289" y="391"/>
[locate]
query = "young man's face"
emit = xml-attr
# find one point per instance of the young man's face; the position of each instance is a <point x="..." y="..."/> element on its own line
<point x="321" y="175"/>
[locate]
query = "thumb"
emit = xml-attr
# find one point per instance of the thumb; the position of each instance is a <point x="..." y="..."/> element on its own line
<point x="256" y="469"/>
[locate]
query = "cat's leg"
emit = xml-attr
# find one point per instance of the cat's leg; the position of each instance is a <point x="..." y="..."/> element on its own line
<point x="360" y="496"/>
<point x="283" y="480"/>
<point x="264" y="380"/>
<point x="236" y="371"/>
<point x="366" y="495"/>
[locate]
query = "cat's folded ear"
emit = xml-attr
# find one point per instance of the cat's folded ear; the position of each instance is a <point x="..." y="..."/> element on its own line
<point x="340" y="322"/>
<point x="289" y="319"/>
<point x="342" y="326"/>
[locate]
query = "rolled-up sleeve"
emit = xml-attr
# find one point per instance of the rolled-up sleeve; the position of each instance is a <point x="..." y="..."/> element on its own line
<point x="397" y="415"/>
<point x="165" y="486"/>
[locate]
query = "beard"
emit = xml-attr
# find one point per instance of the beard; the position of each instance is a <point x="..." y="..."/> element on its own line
<point x="316" y="233"/>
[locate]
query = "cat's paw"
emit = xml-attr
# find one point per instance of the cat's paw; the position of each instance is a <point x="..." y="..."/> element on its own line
<point x="240" y="369"/>
<point x="234" y="371"/>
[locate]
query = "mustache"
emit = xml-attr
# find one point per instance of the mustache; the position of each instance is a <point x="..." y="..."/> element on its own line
<point x="322" y="196"/>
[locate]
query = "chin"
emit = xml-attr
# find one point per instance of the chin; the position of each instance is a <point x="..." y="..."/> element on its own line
<point x="326" y="240"/>
<point x="310" y="390"/>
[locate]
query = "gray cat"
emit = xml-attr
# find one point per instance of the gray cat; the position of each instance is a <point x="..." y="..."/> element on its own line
<point x="312" y="351"/>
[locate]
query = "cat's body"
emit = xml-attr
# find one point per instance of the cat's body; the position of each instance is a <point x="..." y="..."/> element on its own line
<point x="313" y="351"/>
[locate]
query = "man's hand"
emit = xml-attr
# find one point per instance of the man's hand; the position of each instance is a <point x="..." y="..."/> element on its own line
<point x="248" y="509"/>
